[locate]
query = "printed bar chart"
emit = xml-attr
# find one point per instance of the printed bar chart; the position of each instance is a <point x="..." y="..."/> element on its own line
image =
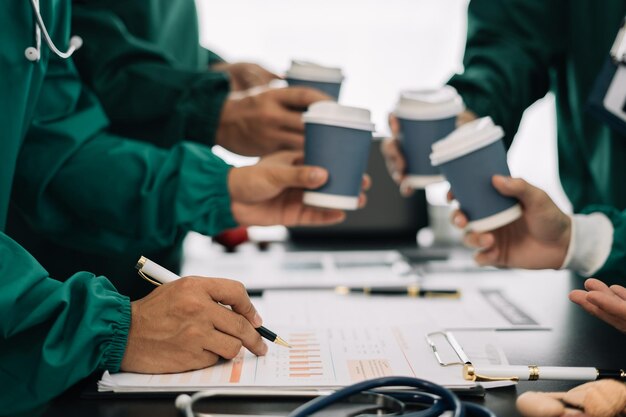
<point x="304" y="355"/>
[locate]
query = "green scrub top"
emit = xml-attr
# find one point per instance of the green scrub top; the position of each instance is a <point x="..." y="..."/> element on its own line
<point x="144" y="62"/>
<point x="517" y="51"/>
<point x="90" y="190"/>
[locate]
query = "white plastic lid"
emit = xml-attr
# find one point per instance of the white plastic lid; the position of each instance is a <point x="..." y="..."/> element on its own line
<point x="466" y="139"/>
<point x="309" y="71"/>
<point x="334" y="114"/>
<point x="429" y="104"/>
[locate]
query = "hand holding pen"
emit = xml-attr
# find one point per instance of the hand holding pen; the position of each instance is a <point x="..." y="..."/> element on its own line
<point x="188" y="325"/>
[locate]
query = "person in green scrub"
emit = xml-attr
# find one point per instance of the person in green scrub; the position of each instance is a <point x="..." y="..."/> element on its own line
<point x="155" y="82"/>
<point x="144" y="62"/>
<point x="516" y="52"/>
<point x="66" y="175"/>
<point x="545" y="237"/>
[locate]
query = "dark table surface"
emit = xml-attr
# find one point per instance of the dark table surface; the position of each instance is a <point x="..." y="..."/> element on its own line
<point x="575" y="339"/>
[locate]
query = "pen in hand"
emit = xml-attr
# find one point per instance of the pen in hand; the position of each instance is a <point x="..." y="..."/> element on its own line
<point x="157" y="275"/>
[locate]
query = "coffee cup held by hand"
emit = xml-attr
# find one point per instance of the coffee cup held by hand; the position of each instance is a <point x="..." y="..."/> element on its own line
<point x="425" y="116"/>
<point x="469" y="157"/>
<point x="307" y="74"/>
<point x="337" y="138"/>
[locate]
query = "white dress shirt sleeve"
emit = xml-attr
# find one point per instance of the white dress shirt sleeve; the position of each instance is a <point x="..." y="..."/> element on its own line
<point x="590" y="243"/>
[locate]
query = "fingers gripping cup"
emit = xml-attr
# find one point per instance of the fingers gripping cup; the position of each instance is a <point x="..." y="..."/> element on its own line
<point x="469" y="157"/>
<point x="337" y="138"/>
<point x="307" y="74"/>
<point x="425" y="116"/>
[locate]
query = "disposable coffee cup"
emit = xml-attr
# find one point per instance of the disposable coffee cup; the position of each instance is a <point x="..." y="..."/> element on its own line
<point x="337" y="138"/>
<point x="425" y="116"/>
<point x="469" y="157"/>
<point x="308" y="74"/>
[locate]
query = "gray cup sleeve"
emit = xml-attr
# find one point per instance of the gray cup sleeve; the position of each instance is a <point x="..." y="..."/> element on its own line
<point x="417" y="137"/>
<point x="332" y="89"/>
<point x="343" y="152"/>
<point x="470" y="180"/>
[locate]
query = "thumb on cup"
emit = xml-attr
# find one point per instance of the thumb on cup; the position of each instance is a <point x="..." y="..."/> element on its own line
<point x="513" y="187"/>
<point x="301" y="176"/>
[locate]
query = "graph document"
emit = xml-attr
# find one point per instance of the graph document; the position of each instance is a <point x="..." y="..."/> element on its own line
<point x="329" y="357"/>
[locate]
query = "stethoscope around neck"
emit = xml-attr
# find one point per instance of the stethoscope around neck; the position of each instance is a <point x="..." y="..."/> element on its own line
<point x="33" y="53"/>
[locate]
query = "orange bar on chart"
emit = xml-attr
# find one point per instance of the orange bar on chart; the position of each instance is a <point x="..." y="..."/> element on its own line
<point x="235" y="373"/>
<point x="303" y="356"/>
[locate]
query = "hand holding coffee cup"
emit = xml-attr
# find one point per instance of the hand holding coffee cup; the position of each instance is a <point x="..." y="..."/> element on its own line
<point x="424" y="117"/>
<point x="537" y="240"/>
<point x="264" y="120"/>
<point x="469" y="157"/>
<point x="307" y="74"/>
<point x="337" y="138"/>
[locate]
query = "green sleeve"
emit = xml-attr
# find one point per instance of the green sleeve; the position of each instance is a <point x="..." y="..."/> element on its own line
<point x="116" y="195"/>
<point x="615" y="265"/>
<point x="143" y="90"/>
<point x="214" y="58"/>
<point x="53" y="334"/>
<point x="86" y="189"/>
<point x="510" y="47"/>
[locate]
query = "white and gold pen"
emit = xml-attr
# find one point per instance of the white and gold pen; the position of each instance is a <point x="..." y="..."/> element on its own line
<point x="488" y="373"/>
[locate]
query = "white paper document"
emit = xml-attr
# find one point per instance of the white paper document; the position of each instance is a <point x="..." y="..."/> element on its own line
<point x="486" y="309"/>
<point x="293" y="270"/>
<point x="342" y="339"/>
<point x="324" y="358"/>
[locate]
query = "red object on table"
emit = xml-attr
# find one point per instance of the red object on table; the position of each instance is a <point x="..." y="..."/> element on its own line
<point x="232" y="238"/>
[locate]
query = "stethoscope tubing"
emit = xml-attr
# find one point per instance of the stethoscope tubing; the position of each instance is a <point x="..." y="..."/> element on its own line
<point x="449" y="400"/>
<point x="437" y="399"/>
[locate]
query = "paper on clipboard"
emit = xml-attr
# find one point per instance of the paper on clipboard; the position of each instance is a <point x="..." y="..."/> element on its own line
<point x="325" y="358"/>
<point x="339" y="340"/>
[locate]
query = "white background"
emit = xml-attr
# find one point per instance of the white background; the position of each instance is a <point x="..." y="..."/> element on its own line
<point x="383" y="47"/>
